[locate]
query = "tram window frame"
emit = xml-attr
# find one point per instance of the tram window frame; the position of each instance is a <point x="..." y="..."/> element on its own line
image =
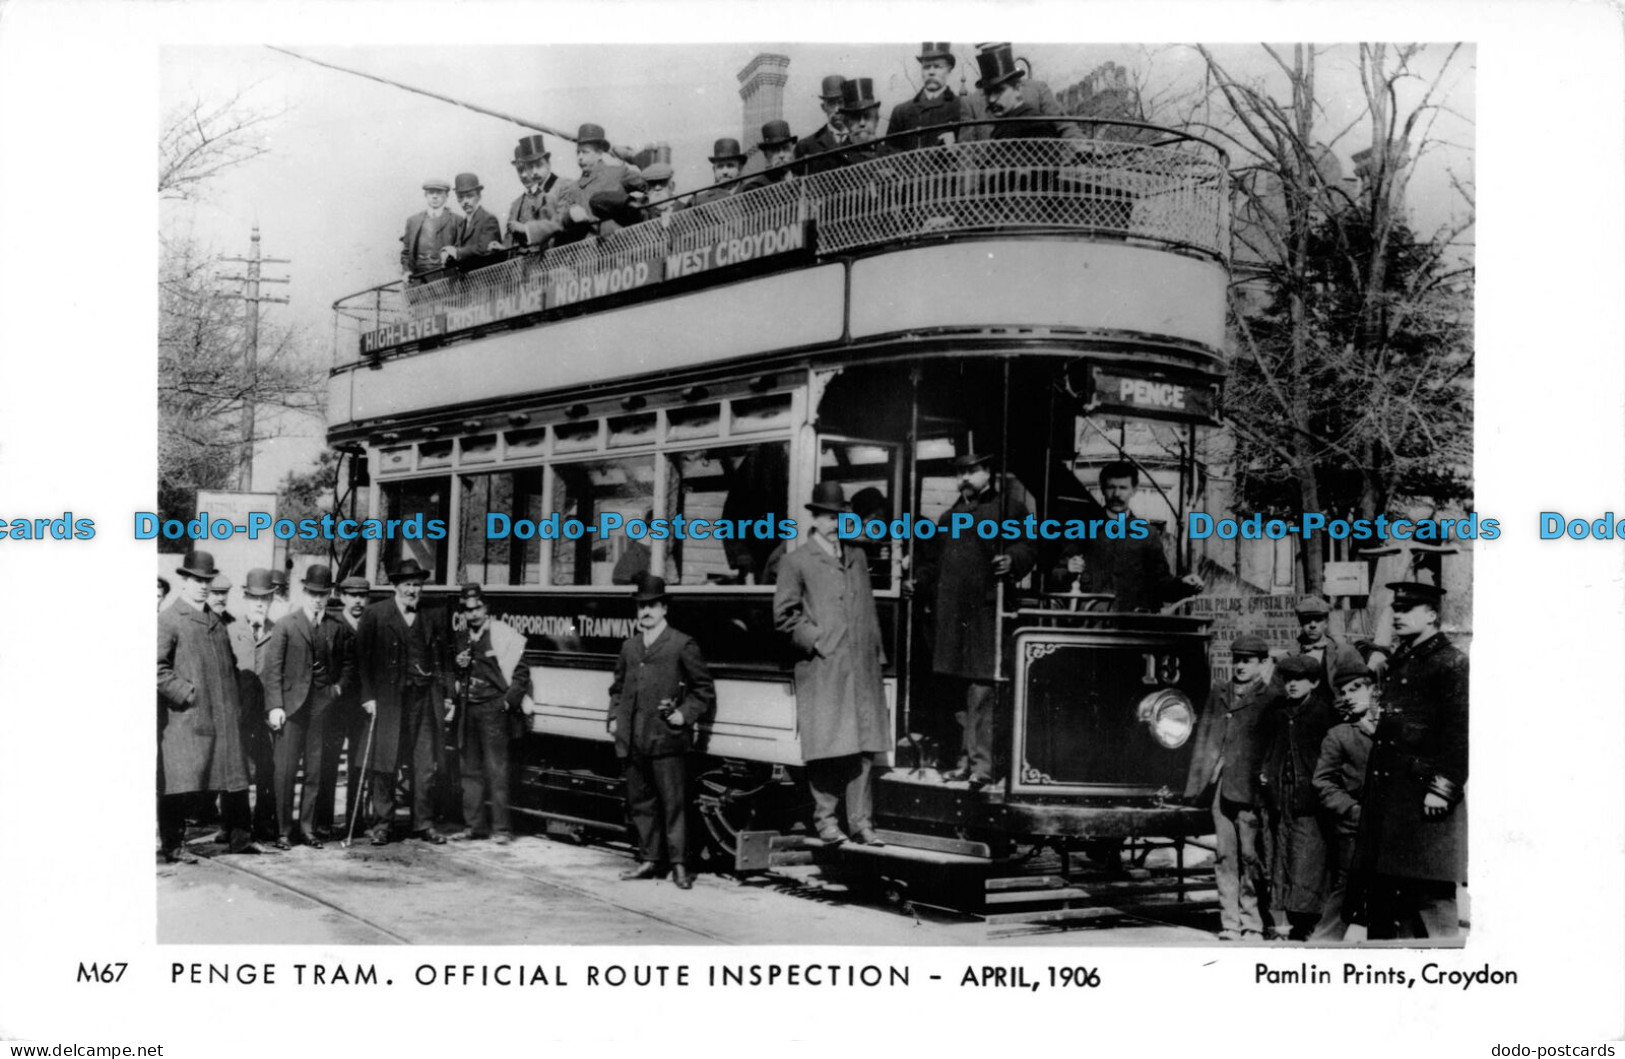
<point x="395" y="548"/>
<point x="518" y="562"/>
<point x="616" y="543"/>
<point x="885" y="554"/>
<point x="761" y="556"/>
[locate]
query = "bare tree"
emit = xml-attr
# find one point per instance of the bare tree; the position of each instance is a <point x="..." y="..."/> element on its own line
<point x="200" y="140"/>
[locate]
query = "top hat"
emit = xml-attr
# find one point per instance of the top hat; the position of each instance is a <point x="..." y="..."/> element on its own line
<point x="220" y="583"/>
<point x="830" y="90"/>
<point x="409" y="570"/>
<point x="590" y="133"/>
<point x="776" y="134"/>
<point x="1312" y="607"/>
<point x="318" y="578"/>
<point x="468" y="182"/>
<point x="971" y="460"/>
<point x="259" y="584"/>
<point x="1408" y="594"/>
<point x="649" y="589"/>
<point x="436" y="185"/>
<point x="828" y="496"/>
<point x="726" y="150"/>
<point x="997" y="67"/>
<point x="353" y="583"/>
<point x="1249" y="646"/>
<point x="937" y="50"/>
<point x="530" y="149"/>
<point x="858" y="95"/>
<point x="198" y="564"/>
<point x="1298" y="667"/>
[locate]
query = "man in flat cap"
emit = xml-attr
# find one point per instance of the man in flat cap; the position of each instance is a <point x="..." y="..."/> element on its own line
<point x="493" y="683"/>
<point x="832" y="133"/>
<point x="249" y="636"/>
<point x="778" y="151"/>
<point x="428" y="233"/>
<point x="1411" y="852"/>
<point x="727" y="158"/>
<point x="935" y="103"/>
<point x="1334" y="655"/>
<point x="964" y="573"/>
<point x="479" y="229"/>
<point x="533" y="217"/>
<point x="824" y="602"/>
<point x="404" y="689"/>
<point x="660" y="691"/>
<point x="601" y="171"/>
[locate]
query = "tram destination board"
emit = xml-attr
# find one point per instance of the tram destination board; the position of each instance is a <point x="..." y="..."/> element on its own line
<point x="1129" y="393"/>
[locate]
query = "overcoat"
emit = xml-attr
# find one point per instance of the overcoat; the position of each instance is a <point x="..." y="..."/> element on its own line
<point x="1421" y="743"/>
<point x="647" y="676"/>
<point x="1295" y="734"/>
<point x="921" y="113"/>
<point x="475" y="235"/>
<point x="199" y="736"/>
<point x="305" y="667"/>
<point x="1233" y="729"/>
<point x="823" y="140"/>
<point x="536" y="215"/>
<point x="382" y="653"/>
<point x="603" y="176"/>
<point x="827" y="608"/>
<point x="1340" y="775"/>
<point x="962" y="576"/>
<point x="437" y="235"/>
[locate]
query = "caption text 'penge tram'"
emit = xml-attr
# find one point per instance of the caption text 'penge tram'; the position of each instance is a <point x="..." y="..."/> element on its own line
<point x="1038" y="299"/>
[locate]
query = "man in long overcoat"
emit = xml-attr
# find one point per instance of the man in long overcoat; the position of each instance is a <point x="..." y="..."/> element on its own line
<point x="661" y="690"/>
<point x="966" y="574"/>
<point x="1412" y="846"/>
<point x="249" y="635"/>
<point x="402" y="655"/>
<point x="346" y="722"/>
<point x="199" y="740"/>
<point x="823" y="601"/>
<point x="935" y="103"/>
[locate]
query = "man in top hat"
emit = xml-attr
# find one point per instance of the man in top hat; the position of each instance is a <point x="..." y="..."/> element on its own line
<point x="965" y="573"/>
<point x="778" y="151"/>
<point x="428" y="233"/>
<point x="310" y="658"/>
<point x="249" y="636"/>
<point x="832" y="133"/>
<point x="533" y="217"/>
<point x="860" y="112"/>
<point x="1412" y="845"/>
<point x="1134" y="570"/>
<point x="405" y="691"/>
<point x="346" y="721"/>
<point x="1004" y="91"/>
<point x="934" y="104"/>
<point x="727" y="159"/>
<point x="661" y="690"/>
<point x="493" y="683"/>
<point x="199" y="736"/>
<point x="1333" y="655"/>
<point x="823" y="601"/>
<point x="479" y="229"/>
<point x="600" y="171"/>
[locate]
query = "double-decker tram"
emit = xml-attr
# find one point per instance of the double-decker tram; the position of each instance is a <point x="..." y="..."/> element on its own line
<point x="1040" y="299"/>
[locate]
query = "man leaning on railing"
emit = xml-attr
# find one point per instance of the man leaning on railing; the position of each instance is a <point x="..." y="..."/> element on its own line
<point x="533" y="218"/>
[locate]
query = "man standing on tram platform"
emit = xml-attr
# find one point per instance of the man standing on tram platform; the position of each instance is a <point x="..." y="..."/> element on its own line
<point x="965" y="574"/>
<point x="860" y="113"/>
<point x="832" y="133"/>
<point x="493" y="681"/>
<point x="600" y="172"/>
<point x="1135" y="570"/>
<point x="727" y="159"/>
<point x="479" y="229"/>
<point x="533" y="217"/>
<point x="1004" y="91"/>
<point x="778" y="150"/>
<point x="428" y="233"/>
<point x="935" y="104"/>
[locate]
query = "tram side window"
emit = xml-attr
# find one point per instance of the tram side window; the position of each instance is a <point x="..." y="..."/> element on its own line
<point x="489" y="560"/>
<point x="866" y="472"/>
<point x="586" y="491"/>
<point x="731" y="485"/>
<point x="416" y="503"/>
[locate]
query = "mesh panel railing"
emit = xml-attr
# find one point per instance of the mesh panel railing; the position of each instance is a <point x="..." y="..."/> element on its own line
<point x="1173" y="193"/>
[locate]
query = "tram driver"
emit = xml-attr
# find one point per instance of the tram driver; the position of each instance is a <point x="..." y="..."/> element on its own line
<point x="1136" y="571"/>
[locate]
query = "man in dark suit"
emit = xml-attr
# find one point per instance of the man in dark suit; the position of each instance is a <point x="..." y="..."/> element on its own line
<point x="346" y="723"/>
<point x="428" y="233"/>
<point x="832" y="133"/>
<point x="934" y="104"/>
<point x="778" y="151"/>
<point x="660" y="692"/>
<point x="493" y="682"/>
<point x="249" y="636"/>
<point x="727" y="158"/>
<point x="1134" y="570"/>
<point x="310" y="658"/>
<point x="478" y="230"/>
<point x="533" y="217"/>
<point x="402" y="654"/>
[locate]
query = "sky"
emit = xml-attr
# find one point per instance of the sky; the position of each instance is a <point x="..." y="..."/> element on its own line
<point x="345" y="157"/>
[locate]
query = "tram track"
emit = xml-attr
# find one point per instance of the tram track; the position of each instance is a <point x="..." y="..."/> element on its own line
<point x="331" y="906"/>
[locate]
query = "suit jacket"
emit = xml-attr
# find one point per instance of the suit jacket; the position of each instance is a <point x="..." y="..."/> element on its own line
<point x="475" y="235"/>
<point x="306" y="666"/>
<point x="1233" y="730"/>
<point x="536" y="215"/>
<point x="250" y="654"/>
<point x="647" y="676"/>
<point x="922" y="113"/>
<point x="1038" y="96"/>
<point x="383" y="655"/>
<point x="436" y="235"/>
<point x="1136" y="571"/>
<point x="200" y="740"/>
<point x="604" y="176"/>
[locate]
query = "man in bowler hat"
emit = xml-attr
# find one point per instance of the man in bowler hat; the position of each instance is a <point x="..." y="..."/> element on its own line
<point x="249" y="636"/>
<point x="405" y="690"/>
<point x="661" y="690"/>
<point x="933" y="105"/>
<point x="492" y="683"/>
<point x="778" y="151"/>
<point x="428" y="233"/>
<point x="479" y="229"/>
<point x="347" y="723"/>
<point x="727" y="158"/>
<point x="601" y="171"/>
<point x="823" y="601"/>
<point x="832" y="133"/>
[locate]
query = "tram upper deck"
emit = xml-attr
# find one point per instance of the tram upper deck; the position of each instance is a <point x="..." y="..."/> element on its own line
<point x="1115" y="245"/>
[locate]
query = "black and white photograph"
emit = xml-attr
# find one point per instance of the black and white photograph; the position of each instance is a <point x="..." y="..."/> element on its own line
<point x="720" y="502"/>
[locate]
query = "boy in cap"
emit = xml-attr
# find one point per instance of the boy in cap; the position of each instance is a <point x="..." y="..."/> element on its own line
<point x="661" y="690"/>
<point x="493" y="683"/>
<point x="428" y="233"/>
<point x="1224" y="774"/>
<point x="1340" y="783"/>
<point x="1295" y="848"/>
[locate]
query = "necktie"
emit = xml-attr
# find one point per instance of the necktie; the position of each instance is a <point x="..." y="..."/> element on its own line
<point x="257" y="630"/>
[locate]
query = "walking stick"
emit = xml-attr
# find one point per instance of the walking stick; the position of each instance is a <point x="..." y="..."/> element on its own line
<point x="366" y="761"/>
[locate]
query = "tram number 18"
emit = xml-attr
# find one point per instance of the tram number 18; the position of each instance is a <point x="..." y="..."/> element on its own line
<point x="1160" y="669"/>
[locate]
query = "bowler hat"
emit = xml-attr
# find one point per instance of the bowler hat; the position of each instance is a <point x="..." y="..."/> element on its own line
<point x="726" y="150"/>
<point x="828" y="496"/>
<point x="1249" y="646"/>
<point x="436" y="185"/>
<point x="776" y="134"/>
<point x="279" y="578"/>
<point x="997" y="66"/>
<point x="971" y="460"/>
<point x="409" y="570"/>
<point x="937" y="50"/>
<point x="468" y="182"/>
<point x="1298" y="667"/>
<point x="198" y="564"/>
<point x="830" y="90"/>
<point x="354" y="583"/>
<point x="590" y="133"/>
<point x="1345" y="677"/>
<point x="1408" y="594"/>
<point x="530" y="149"/>
<point x="1312" y="607"/>
<point x="858" y="95"/>
<point x="259" y="584"/>
<point x="649" y="589"/>
<point x="220" y="583"/>
<point x="318" y="578"/>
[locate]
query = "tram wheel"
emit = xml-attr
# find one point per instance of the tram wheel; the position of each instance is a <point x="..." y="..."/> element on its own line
<point x="732" y="800"/>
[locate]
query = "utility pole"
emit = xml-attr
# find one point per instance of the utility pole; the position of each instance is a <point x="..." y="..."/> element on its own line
<point x="251" y="295"/>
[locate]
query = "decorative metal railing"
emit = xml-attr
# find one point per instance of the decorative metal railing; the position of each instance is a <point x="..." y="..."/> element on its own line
<point x="1136" y="183"/>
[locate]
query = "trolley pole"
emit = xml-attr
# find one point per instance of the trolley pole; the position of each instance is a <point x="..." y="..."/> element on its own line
<point x="251" y="295"/>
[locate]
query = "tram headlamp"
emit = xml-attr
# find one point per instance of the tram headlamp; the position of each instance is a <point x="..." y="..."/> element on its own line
<point x="1169" y="715"/>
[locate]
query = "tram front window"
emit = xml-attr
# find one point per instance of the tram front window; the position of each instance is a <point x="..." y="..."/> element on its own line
<point x="743" y="484"/>
<point x="501" y="560"/>
<point x="585" y="491"/>
<point x="421" y="499"/>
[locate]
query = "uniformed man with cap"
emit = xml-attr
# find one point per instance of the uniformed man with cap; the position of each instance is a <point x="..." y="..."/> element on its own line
<point x="533" y="217"/>
<point x="964" y="574"/>
<point x="249" y="636"/>
<point x="832" y="133"/>
<point x="493" y="683"/>
<point x="428" y="233"/>
<point x="479" y="229"/>
<point x="1335" y="656"/>
<point x="727" y="158"/>
<point x="935" y="103"/>
<point x="1412" y="846"/>
<point x="778" y="151"/>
